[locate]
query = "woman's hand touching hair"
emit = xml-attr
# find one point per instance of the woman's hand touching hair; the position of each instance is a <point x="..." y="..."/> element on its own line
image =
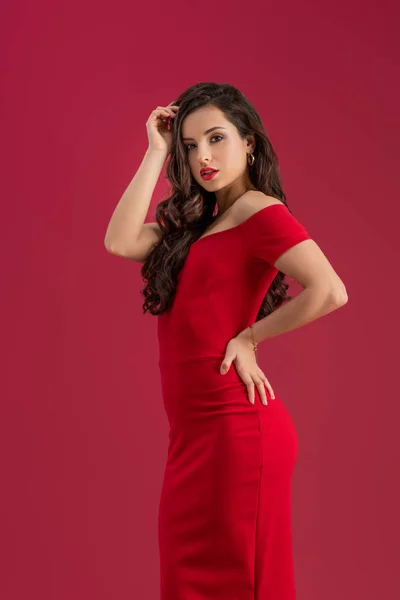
<point x="158" y="127"/>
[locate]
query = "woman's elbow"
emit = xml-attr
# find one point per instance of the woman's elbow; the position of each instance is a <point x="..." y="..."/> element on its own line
<point x="338" y="295"/>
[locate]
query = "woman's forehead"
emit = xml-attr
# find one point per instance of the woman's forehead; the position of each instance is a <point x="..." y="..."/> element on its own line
<point x="197" y="123"/>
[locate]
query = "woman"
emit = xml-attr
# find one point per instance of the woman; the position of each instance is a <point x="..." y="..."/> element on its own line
<point x="215" y="262"/>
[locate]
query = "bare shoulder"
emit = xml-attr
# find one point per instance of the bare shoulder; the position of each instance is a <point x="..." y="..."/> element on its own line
<point x="250" y="203"/>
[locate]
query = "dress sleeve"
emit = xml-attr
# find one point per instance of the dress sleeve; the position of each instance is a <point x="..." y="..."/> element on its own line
<point x="273" y="231"/>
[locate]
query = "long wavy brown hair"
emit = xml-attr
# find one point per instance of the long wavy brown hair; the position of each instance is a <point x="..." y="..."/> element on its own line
<point x="189" y="209"/>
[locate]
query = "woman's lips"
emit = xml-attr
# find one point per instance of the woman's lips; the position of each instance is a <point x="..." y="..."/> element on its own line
<point x="207" y="176"/>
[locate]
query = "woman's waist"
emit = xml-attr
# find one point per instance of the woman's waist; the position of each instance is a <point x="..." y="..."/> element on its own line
<point x="198" y="377"/>
<point x="183" y="340"/>
<point x="203" y="353"/>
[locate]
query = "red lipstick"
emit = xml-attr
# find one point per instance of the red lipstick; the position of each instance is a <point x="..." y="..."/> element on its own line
<point x="208" y="173"/>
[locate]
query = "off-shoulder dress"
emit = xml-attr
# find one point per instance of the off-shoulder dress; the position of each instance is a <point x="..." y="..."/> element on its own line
<point x="224" y="520"/>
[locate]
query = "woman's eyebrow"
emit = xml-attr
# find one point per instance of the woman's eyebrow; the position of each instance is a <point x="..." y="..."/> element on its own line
<point x="205" y="133"/>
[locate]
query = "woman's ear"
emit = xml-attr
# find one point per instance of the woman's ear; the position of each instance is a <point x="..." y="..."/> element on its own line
<point x="251" y="143"/>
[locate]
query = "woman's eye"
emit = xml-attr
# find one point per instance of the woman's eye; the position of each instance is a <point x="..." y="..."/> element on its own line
<point x="213" y="137"/>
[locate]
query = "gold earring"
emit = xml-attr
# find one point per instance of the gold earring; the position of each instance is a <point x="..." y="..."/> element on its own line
<point x="251" y="159"/>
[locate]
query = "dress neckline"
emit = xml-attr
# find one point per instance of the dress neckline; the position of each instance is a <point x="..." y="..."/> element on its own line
<point x="239" y="224"/>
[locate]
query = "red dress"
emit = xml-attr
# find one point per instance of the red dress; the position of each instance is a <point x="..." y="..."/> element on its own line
<point x="224" y="521"/>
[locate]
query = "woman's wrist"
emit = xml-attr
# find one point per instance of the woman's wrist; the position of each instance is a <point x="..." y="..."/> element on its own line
<point x="252" y="337"/>
<point x="247" y="335"/>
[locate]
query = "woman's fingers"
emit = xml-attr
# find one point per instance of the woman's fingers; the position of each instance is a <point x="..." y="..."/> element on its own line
<point x="269" y="388"/>
<point x="166" y="113"/>
<point x="259" y="379"/>
<point x="261" y="382"/>
<point x="261" y="391"/>
<point x="267" y="384"/>
<point x="250" y="386"/>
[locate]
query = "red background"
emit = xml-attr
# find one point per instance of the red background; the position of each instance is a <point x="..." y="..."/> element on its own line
<point x="83" y="433"/>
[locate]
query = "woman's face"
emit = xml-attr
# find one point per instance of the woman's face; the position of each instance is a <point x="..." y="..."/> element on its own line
<point x="221" y="149"/>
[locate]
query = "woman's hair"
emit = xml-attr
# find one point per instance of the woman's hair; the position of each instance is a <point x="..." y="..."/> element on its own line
<point x="189" y="209"/>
